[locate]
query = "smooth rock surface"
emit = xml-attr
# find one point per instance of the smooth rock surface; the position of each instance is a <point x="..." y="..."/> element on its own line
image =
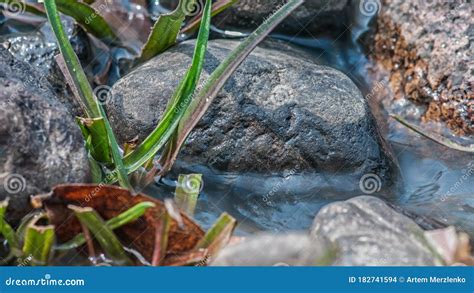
<point x="312" y="18"/>
<point x="277" y="112"/>
<point x="366" y="232"/>
<point x="40" y="144"/>
<point x="277" y="250"/>
<point x="426" y="48"/>
<point x="38" y="48"/>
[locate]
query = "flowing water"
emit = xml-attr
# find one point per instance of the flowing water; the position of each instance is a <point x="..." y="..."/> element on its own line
<point x="437" y="183"/>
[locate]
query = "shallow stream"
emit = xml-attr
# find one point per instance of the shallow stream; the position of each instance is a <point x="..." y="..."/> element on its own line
<point x="436" y="185"/>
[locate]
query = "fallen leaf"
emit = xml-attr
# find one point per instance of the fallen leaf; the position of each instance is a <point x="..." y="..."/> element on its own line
<point x="110" y="201"/>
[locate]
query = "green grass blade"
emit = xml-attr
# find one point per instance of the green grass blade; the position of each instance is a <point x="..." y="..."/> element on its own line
<point x="218" y="235"/>
<point x="38" y="243"/>
<point x="72" y="62"/>
<point x="82" y="87"/>
<point x="95" y="134"/>
<point x="124" y="218"/>
<point x="120" y="171"/>
<point x="222" y="73"/>
<point x="187" y="192"/>
<point x="434" y="137"/>
<point x="165" y="30"/>
<point x="102" y="233"/>
<point x="178" y="103"/>
<point x="89" y="19"/>
<point x="7" y="231"/>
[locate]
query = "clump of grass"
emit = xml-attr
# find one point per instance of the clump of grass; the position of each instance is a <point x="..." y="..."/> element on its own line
<point x="185" y="107"/>
<point x="33" y="243"/>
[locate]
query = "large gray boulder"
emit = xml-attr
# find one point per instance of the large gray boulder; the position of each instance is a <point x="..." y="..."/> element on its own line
<point x="277" y="112"/>
<point x="311" y="18"/>
<point x="366" y="232"/>
<point x="40" y="144"/>
<point x="277" y="250"/>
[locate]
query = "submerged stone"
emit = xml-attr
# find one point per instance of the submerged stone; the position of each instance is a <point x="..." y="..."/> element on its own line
<point x="276" y="113"/>
<point x="367" y="232"/>
<point x="363" y="231"/>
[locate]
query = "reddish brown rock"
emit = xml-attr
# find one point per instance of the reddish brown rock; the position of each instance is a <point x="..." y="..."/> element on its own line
<point x="426" y="47"/>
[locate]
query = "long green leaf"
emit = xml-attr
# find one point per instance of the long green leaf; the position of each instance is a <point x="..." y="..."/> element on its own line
<point x="7" y="231"/>
<point x="177" y="104"/>
<point x="222" y="73"/>
<point x="124" y="218"/>
<point x="434" y="137"/>
<point x="165" y="30"/>
<point x="102" y="233"/>
<point x="82" y="87"/>
<point x="120" y="171"/>
<point x="72" y="62"/>
<point x="218" y="235"/>
<point x="95" y="134"/>
<point x="38" y="243"/>
<point x="89" y="19"/>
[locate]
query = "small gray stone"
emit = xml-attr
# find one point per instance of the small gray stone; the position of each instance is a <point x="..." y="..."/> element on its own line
<point x="367" y="232"/>
<point x="277" y="112"/>
<point x="277" y="250"/>
<point x="40" y="144"/>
